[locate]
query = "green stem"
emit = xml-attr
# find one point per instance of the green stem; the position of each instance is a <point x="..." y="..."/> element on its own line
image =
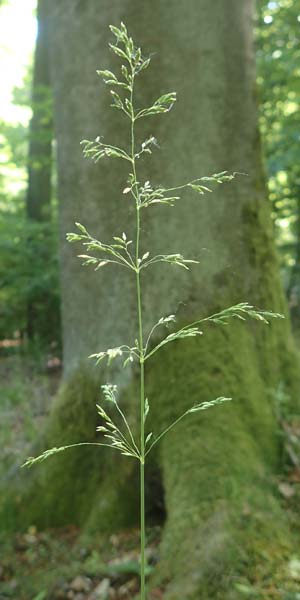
<point x="142" y="424"/>
<point x="141" y="354"/>
<point x="142" y="491"/>
<point x="167" y="430"/>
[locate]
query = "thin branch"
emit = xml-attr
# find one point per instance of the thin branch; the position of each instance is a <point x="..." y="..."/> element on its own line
<point x="47" y="453"/>
<point x="166" y="431"/>
<point x="128" y="428"/>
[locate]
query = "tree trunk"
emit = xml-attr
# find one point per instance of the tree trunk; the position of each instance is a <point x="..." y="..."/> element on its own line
<point x="293" y="291"/>
<point x="216" y="469"/>
<point x="39" y="192"/>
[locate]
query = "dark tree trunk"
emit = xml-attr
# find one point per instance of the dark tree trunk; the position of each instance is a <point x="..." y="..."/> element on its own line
<point x="39" y="190"/>
<point x="294" y="284"/>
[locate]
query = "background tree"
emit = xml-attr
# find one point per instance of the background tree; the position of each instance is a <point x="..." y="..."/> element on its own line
<point x="39" y="191"/>
<point x="216" y="471"/>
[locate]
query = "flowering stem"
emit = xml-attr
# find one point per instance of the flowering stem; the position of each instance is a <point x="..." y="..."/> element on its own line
<point x="141" y="353"/>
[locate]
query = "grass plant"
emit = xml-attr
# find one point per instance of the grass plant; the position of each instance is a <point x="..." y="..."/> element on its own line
<point x="125" y="253"/>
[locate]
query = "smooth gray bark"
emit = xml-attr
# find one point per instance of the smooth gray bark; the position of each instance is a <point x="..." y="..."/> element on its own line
<point x="203" y="51"/>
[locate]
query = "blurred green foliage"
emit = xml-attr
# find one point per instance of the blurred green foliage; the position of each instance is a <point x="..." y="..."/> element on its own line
<point x="28" y="249"/>
<point x="28" y="272"/>
<point x="278" y="60"/>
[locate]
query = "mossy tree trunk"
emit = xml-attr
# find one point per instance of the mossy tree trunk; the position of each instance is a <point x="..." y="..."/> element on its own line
<point x="216" y="469"/>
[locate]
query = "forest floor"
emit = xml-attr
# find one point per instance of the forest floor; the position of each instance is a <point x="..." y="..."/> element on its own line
<point x="61" y="565"/>
<point x="55" y="564"/>
<point x="66" y="565"/>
